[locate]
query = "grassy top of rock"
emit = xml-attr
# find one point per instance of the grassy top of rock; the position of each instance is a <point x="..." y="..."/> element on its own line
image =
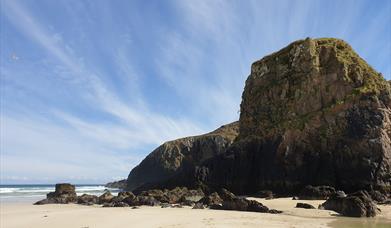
<point x="373" y="81"/>
<point x="308" y="78"/>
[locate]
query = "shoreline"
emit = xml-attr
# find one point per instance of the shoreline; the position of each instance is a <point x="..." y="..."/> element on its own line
<point x="73" y="215"/>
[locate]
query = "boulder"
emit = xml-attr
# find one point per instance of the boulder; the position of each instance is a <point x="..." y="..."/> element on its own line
<point x="131" y="200"/>
<point x="316" y="192"/>
<point x="274" y="211"/>
<point x="386" y="202"/>
<point x="340" y="193"/>
<point x="255" y="206"/>
<point x="185" y="202"/>
<point x="64" y="193"/>
<point x="358" y="204"/>
<point x="106" y="197"/>
<point x="265" y="194"/>
<point x="174" y="195"/>
<point x="212" y="199"/>
<point x="305" y="206"/>
<point x="226" y="195"/>
<point x="198" y="206"/>
<point x="194" y="195"/>
<point x="378" y="197"/>
<point x="241" y="204"/>
<point x="120" y="204"/>
<point x="165" y="205"/>
<point x="236" y="204"/>
<point x="108" y="204"/>
<point x="44" y="201"/>
<point x="157" y="194"/>
<point x="86" y="199"/>
<point x="146" y="200"/>
<point x="126" y="194"/>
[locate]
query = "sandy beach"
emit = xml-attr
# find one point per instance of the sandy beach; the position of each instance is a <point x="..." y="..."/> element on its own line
<point x="20" y="215"/>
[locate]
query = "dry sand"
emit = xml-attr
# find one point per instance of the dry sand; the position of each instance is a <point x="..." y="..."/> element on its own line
<point x="25" y="215"/>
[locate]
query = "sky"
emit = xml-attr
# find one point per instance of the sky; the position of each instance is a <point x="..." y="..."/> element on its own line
<point x="90" y="87"/>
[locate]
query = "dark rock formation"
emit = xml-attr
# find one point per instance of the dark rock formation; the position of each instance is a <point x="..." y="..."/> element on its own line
<point x="265" y="194"/>
<point x="184" y="202"/>
<point x="181" y="154"/>
<point x="237" y="204"/>
<point x="64" y="193"/>
<point x="228" y="201"/>
<point x="358" y="204"/>
<point x="255" y="206"/>
<point x="121" y="184"/>
<point x="106" y="197"/>
<point x="378" y="197"/>
<point x="340" y="193"/>
<point x="146" y="200"/>
<point x="212" y="199"/>
<point x="305" y="206"/>
<point x="86" y="199"/>
<point x="126" y="194"/>
<point x="226" y="195"/>
<point x="316" y="192"/>
<point x="313" y="113"/>
<point x="120" y="204"/>
<point x="198" y="206"/>
<point x="176" y="195"/>
<point x="242" y="204"/>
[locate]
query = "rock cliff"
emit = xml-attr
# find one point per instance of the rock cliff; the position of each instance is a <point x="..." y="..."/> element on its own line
<point x="175" y="156"/>
<point x="313" y="113"/>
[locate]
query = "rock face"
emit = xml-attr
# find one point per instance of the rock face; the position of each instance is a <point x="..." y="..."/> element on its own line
<point x="86" y="199"/>
<point x="313" y="113"/>
<point x="121" y="184"/>
<point x="316" y="192"/>
<point x="358" y="204"/>
<point x="175" y="156"/>
<point x="64" y="193"/>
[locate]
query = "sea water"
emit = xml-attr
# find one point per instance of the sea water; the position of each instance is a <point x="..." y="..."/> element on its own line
<point x="32" y="193"/>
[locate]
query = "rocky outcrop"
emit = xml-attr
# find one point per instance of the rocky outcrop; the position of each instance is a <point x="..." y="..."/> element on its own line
<point x="121" y="184"/>
<point x="182" y="154"/>
<point x="86" y="199"/>
<point x="226" y="200"/>
<point x="313" y="113"/>
<point x="106" y="197"/>
<point x="267" y="194"/>
<point x="305" y="206"/>
<point x="212" y="199"/>
<point x="173" y="196"/>
<point x="64" y="193"/>
<point x="316" y="192"/>
<point x="358" y="204"/>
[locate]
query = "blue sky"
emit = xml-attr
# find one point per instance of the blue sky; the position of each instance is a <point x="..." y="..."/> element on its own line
<point x="89" y="88"/>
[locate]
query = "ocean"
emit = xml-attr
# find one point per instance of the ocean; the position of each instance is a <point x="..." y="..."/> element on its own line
<point x="33" y="193"/>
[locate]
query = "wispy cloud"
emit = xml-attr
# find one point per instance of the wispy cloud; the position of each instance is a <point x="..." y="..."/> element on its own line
<point x="133" y="127"/>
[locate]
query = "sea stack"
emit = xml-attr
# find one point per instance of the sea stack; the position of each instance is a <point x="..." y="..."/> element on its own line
<point x="313" y="113"/>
